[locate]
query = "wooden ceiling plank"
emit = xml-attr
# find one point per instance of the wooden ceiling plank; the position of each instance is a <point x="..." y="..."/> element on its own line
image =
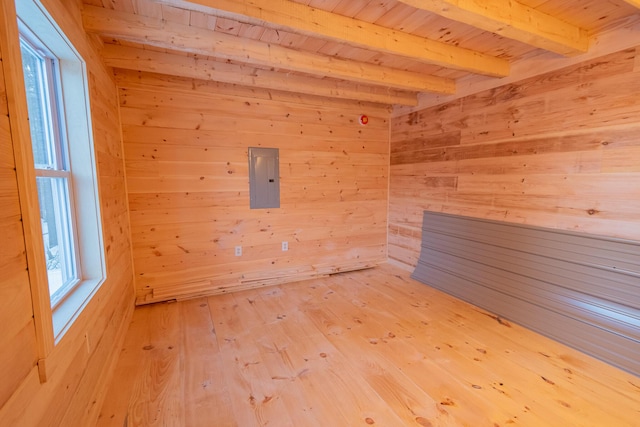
<point x="168" y="35"/>
<point x="130" y="58"/>
<point x="513" y="20"/>
<point x="301" y="19"/>
<point x="634" y="3"/>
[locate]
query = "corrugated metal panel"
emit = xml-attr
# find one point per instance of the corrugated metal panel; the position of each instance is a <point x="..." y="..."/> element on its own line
<point x="579" y="289"/>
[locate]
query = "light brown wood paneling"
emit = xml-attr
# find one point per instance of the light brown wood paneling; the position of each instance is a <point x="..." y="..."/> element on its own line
<point x="363" y="348"/>
<point x="560" y="150"/>
<point x="80" y="366"/>
<point x="187" y="175"/>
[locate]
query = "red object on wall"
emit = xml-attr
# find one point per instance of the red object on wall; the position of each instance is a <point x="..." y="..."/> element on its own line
<point x="363" y="119"/>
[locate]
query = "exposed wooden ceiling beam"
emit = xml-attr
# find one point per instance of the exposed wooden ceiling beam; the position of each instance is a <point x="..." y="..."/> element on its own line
<point x="173" y="36"/>
<point x="513" y="20"/>
<point x="130" y="58"/>
<point x="301" y="19"/>
<point x="635" y="3"/>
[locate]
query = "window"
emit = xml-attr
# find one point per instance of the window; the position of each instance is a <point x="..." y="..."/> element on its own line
<point x="64" y="163"/>
<point x="50" y="153"/>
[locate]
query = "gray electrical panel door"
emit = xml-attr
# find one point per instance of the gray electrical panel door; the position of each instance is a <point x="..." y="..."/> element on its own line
<point x="264" y="178"/>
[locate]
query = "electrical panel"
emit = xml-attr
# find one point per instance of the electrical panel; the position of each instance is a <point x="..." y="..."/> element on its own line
<point x="264" y="178"/>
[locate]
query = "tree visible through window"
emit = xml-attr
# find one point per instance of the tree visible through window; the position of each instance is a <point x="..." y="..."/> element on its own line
<point x="53" y="172"/>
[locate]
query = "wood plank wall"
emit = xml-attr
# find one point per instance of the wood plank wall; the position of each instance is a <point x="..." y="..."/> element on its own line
<point x="82" y="362"/>
<point x="186" y="147"/>
<point x="561" y="150"/>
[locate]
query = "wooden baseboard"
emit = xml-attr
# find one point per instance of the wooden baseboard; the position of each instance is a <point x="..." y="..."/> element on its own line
<point x="254" y="280"/>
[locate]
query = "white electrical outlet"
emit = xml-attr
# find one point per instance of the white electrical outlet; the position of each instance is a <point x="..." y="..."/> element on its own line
<point x="285" y="246"/>
<point x="238" y="250"/>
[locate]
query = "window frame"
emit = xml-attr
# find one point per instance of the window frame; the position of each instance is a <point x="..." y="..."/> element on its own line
<point x="53" y="321"/>
<point x="58" y="166"/>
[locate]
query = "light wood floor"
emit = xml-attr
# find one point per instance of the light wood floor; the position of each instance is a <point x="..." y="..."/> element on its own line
<point x="365" y="348"/>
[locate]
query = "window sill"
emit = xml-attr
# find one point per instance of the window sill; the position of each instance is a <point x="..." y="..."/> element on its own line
<point x="68" y="310"/>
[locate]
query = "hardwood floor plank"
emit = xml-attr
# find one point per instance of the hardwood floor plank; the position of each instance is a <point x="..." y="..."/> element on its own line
<point x="206" y="394"/>
<point x="328" y="371"/>
<point x="466" y="330"/>
<point x="158" y="390"/>
<point x="149" y="372"/>
<point x="453" y="398"/>
<point x="284" y="366"/>
<point x="541" y="352"/>
<point x="412" y="404"/>
<point x="371" y="347"/>
<point x="255" y="397"/>
<point x="302" y="354"/>
<point x="131" y="364"/>
<point x="301" y="370"/>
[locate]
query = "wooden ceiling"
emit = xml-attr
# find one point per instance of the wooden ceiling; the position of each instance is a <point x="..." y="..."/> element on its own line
<point x="406" y="53"/>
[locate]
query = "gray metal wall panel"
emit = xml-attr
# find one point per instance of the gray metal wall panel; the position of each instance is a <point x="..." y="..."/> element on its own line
<point x="579" y="289"/>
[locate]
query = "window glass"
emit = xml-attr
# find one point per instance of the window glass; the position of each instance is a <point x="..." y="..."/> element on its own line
<point x="52" y="172"/>
<point x="34" y="66"/>
<point x="55" y="216"/>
